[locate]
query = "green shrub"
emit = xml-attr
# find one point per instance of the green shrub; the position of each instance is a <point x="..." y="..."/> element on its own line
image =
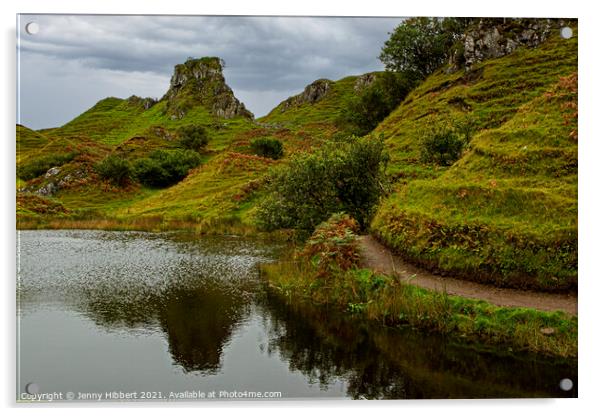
<point x="193" y="137"/>
<point x="340" y="177"/>
<point x="267" y="147"/>
<point x="164" y="168"/>
<point x="443" y="143"/>
<point x="362" y="112"/>
<point x="40" y="166"/>
<point x="150" y="172"/>
<point x="115" y="169"/>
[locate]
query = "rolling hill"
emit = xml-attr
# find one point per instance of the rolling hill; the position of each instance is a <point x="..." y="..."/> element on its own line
<point x="504" y="213"/>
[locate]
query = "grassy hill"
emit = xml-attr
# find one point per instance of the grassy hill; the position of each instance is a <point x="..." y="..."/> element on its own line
<point x="506" y="211"/>
<point x="222" y="190"/>
<point x="318" y="117"/>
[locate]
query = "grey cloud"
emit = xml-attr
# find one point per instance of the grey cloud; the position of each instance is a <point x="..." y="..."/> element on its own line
<point x="274" y="55"/>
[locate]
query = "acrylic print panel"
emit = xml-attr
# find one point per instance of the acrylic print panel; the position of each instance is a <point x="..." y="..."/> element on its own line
<point x="271" y="208"/>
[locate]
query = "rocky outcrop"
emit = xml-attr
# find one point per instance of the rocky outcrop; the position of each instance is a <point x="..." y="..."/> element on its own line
<point x="54" y="180"/>
<point x="364" y="81"/>
<point x="146" y="103"/>
<point x="201" y="82"/>
<point x="313" y="93"/>
<point x="494" y="38"/>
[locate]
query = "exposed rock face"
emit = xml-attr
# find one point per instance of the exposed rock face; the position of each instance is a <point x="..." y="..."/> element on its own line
<point x="493" y="38"/>
<point x="48" y="190"/>
<point x="54" y="180"/>
<point x="313" y="93"/>
<point x="364" y="81"/>
<point x="145" y="102"/>
<point x="201" y="82"/>
<point x="52" y="172"/>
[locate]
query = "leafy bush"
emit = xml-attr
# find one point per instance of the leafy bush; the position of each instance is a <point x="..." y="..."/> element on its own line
<point x="115" y="169"/>
<point x="340" y="177"/>
<point x="420" y="45"/>
<point x="193" y="137"/>
<point x="164" y="168"/>
<point x="444" y="143"/>
<point x="40" y="166"/>
<point x="267" y="147"/>
<point x="364" y="111"/>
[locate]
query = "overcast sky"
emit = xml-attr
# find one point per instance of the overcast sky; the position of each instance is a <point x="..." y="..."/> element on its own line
<point x="74" y="61"/>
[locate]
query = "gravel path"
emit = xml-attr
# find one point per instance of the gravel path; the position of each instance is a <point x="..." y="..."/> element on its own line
<point x="377" y="257"/>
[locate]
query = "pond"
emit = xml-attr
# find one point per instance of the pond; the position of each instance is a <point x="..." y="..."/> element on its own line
<point x="173" y="316"/>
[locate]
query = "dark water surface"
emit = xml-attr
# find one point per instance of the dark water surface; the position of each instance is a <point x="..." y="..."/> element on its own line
<point x="173" y="314"/>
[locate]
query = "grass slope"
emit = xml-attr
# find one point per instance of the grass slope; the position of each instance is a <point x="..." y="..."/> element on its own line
<point x="318" y="118"/>
<point x="222" y="190"/>
<point x="506" y="212"/>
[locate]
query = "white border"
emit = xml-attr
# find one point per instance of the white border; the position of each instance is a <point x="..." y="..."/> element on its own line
<point x="590" y="158"/>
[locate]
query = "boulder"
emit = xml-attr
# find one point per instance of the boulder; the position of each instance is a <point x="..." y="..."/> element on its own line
<point x="52" y="172"/>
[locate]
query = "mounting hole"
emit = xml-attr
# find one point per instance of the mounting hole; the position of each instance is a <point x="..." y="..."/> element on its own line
<point x="566" y="32"/>
<point x="566" y="384"/>
<point x="32" y="388"/>
<point x="32" y="28"/>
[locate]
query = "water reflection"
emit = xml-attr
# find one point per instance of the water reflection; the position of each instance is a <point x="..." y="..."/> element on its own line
<point x="198" y="323"/>
<point x="200" y="293"/>
<point x="195" y="291"/>
<point x="385" y="363"/>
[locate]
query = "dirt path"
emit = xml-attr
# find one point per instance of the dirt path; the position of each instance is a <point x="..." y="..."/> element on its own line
<point x="377" y="257"/>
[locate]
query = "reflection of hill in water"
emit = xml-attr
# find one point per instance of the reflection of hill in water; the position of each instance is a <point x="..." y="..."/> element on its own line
<point x="194" y="290"/>
<point x="198" y="321"/>
<point x="401" y="364"/>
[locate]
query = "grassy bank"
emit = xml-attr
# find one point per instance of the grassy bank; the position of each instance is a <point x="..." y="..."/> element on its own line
<point x="334" y="278"/>
<point x="505" y="213"/>
<point x="147" y="223"/>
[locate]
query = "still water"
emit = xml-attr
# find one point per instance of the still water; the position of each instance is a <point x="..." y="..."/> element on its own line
<point x="116" y="315"/>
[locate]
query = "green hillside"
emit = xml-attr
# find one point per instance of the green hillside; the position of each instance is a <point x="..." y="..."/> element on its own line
<point x="314" y="110"/>
<point x="506" y="211"/>
<point x="134" y="128"/>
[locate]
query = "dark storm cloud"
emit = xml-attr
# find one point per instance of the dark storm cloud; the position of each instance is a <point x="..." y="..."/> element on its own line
<point x="267" y="58"/>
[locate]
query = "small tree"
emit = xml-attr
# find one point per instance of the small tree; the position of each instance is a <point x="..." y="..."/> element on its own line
<point x="115" y="169"/>
<point x="267" y="147"/>
<point x="193" y="137"/>
<point x="340" y="177"/>
<point x="420" y="45"/>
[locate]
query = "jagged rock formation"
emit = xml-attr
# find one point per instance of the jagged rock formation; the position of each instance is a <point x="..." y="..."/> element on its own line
<point x="201" y="82"/>
<point x="313" y="93"/>
<point x="493" y="38"/>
